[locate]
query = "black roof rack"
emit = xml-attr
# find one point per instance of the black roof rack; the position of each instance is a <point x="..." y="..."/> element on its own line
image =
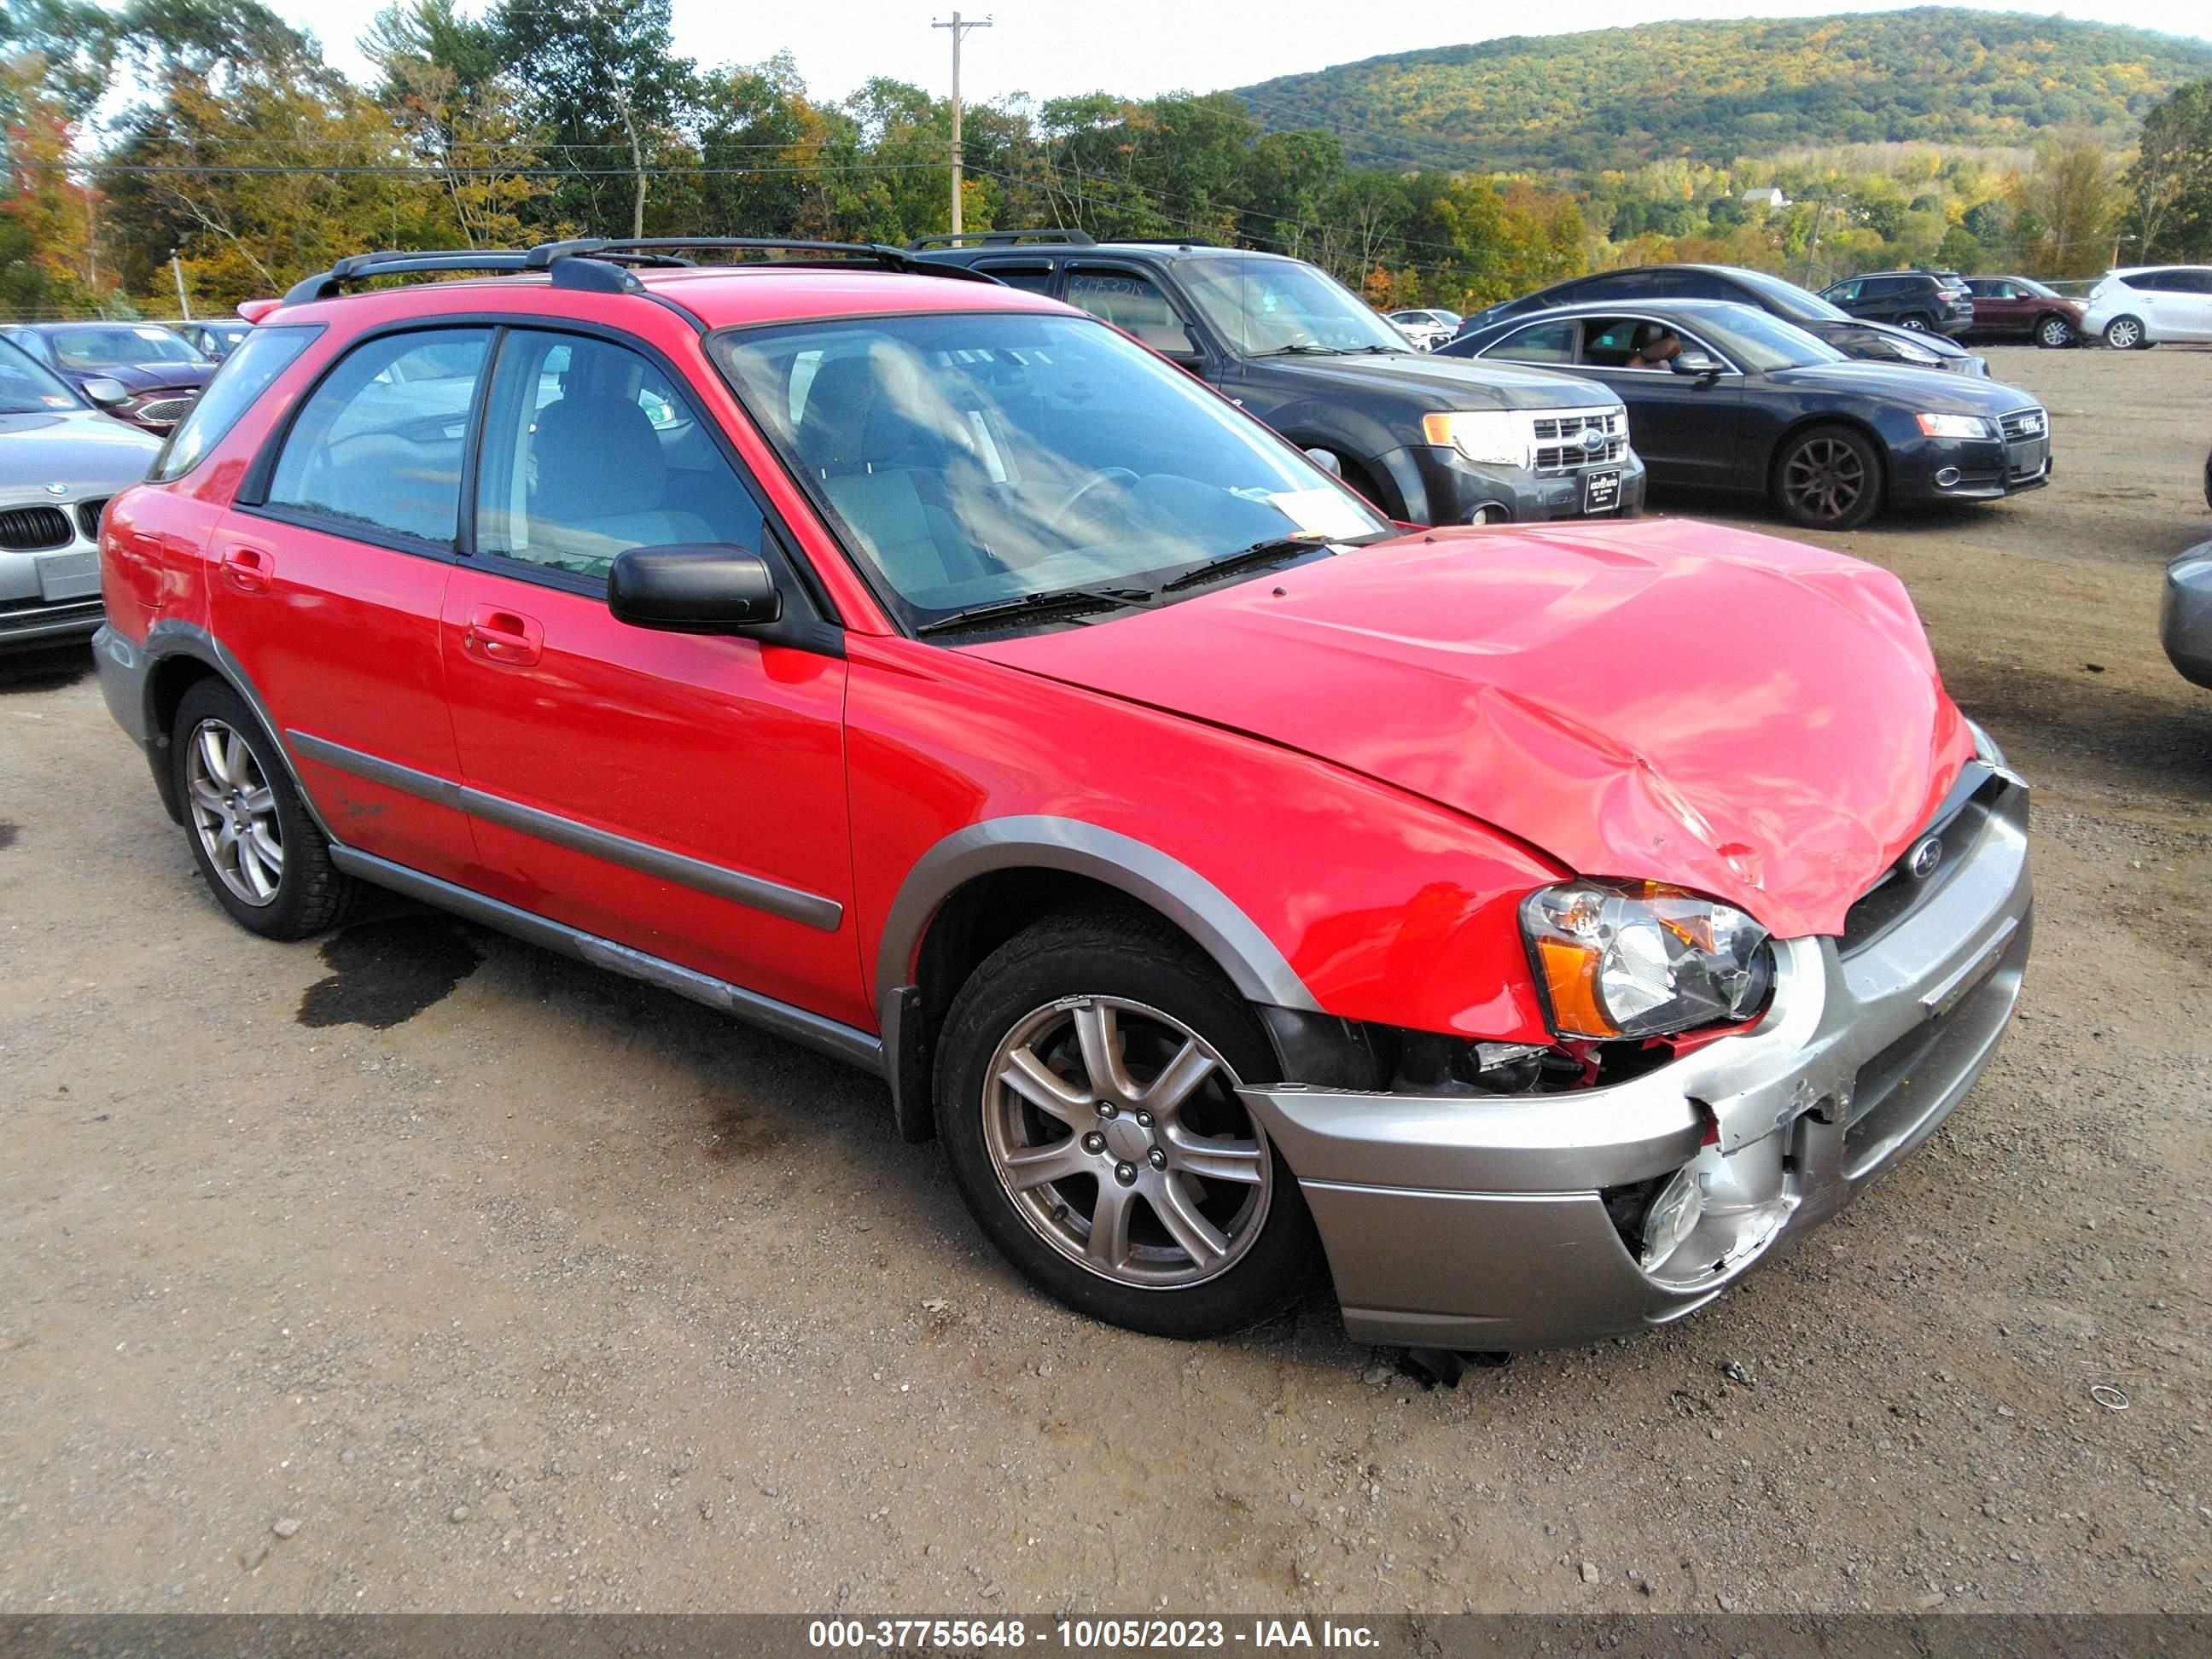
<point x="1071" y="237"/>
<point x="660" y="248"/>
<point x="597" y="265"/>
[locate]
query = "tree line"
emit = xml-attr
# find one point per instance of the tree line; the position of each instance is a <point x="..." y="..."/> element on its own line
<point x="226" y="139"/>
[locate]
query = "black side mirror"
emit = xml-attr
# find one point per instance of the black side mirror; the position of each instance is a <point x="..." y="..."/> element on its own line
<point x="1691" y="361"/>
<point x="105" y="391"/>
<point x="700" y="588"/>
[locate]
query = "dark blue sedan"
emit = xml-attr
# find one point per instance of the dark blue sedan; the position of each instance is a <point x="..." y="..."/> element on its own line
<point x="1723" y="396"/>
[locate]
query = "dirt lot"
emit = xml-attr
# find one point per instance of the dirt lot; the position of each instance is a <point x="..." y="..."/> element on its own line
<point x="517" y="1286"/>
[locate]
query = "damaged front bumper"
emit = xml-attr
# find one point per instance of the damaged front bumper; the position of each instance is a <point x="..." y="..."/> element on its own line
<point x="1524" y="1222"/>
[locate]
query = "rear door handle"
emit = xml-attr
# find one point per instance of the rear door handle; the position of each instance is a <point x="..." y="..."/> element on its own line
<point x="248" y="569"/>
<point x="498" y="635"/>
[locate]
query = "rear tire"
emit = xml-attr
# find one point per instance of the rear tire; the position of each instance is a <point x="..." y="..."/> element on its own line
<point x="1828" y="477"/>
<point x="259" y="850"/>
<point x="2053" y="332"/>
<point x="1123" y="1176"/>
<point x="2125" y="333"/>
<point x="1918" y="322"/>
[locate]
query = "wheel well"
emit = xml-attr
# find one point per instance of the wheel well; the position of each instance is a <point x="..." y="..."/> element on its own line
<point x="975" y="920"/>
<point x="1798" y="430"/>
<point x="1356" y="473"/>
<point x="165" y="694"/>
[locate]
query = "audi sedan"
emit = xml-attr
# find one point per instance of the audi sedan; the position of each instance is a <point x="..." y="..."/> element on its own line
<point x="1723" y="397"/>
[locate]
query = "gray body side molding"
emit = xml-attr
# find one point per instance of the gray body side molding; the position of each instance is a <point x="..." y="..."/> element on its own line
<point x="1178" y="892"/>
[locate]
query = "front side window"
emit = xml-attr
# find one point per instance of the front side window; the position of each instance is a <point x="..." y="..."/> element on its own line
<point x="590" y="449"/>
<point x="1540" y="342"/>
<point x="972" y="460"/>
<point x="378" y="446"/>
<point x="1842" y="293"/>
<point x="1268" y="307"/>
<point x="1133" y="303"/>
<point x="1765" y="343"/>
<point x="250" y="369"/>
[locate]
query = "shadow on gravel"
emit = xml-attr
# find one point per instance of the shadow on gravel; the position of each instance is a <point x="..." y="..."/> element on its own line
<point x="386" y="971"/>
<point x="7" y="836"/>
<point x="47" y="669"/>
<point x="2119" y="736"/>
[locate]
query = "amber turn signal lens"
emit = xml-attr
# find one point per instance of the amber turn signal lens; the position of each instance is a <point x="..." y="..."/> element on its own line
<point x="1571" y="982"/>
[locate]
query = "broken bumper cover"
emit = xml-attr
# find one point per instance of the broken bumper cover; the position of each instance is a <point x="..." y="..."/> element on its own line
<point x="1474" y="1222"/>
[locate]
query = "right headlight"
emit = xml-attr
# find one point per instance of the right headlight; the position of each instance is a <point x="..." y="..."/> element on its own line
<point x="1489" y="437"/>
<point x="1640" y="958"/>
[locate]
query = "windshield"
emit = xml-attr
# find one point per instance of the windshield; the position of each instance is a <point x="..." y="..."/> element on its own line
<point x="1791" y="301"/>
<point x="981" y="459"/>
<point x="96" y="349"/>
<point x="1759" y="340"/>
<point x="28" y="387"/>
<point x="1264" y="306"/>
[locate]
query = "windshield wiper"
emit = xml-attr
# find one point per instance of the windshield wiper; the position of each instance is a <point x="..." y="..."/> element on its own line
<point x="1303" y="348"/>
<point x="1069" y="601"/>
<point x="1276" y="547"/>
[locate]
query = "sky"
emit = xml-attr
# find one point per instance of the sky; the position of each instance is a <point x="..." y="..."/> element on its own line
<point x="1139" y="48"/>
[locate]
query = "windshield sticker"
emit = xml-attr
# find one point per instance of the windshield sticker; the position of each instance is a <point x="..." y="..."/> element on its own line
<point x="1325" y="513"/>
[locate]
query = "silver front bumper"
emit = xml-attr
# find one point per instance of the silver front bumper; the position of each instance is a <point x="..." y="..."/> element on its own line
<point x="1482" y="1222"/>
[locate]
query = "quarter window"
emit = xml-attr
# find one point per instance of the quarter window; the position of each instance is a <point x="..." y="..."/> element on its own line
<point x="1032" y="279"/>
<point x="380" y="444"/>
<point x="251" y="368"/>
<point x="590" y="449"/>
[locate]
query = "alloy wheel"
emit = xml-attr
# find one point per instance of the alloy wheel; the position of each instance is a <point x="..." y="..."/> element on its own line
<point x="1117" y="1132"/>
<point x="1825" y="479"/>
<point x="2054" y="331"/>
<point x="1916" y="322"/>
<point x="233" y="812"/>
<point x="2125" y="334"/>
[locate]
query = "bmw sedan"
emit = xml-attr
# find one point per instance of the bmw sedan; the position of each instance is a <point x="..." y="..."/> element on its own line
<point x="1723" y="397"/>
<point x="1855" y="336"/>
<point x="60" y="461"/>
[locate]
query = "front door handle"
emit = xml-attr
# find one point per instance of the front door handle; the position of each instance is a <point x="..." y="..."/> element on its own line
<point x="498" y="635"/>
<point x="248" y="569"/>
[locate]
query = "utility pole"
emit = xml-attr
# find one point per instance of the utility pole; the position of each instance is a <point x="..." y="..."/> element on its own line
<point x="959" y="27"/>
<point x="177" y="271"/>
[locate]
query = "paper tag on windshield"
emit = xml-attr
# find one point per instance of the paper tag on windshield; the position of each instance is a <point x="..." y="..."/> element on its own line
<point x="1329" y="513"/>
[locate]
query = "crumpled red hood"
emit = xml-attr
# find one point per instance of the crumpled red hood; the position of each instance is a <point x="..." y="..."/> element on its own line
<point x="1755" y="718"/>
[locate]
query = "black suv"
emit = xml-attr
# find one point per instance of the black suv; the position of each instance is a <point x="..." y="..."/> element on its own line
<point x="1925" y="301"/>
<point x="1879" y="343"/>
<point x="1429" y="441"/>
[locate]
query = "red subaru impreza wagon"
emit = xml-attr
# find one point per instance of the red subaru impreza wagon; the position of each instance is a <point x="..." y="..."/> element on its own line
<point x="1540" y="924"/>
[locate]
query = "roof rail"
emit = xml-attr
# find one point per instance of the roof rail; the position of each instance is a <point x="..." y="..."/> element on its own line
<point x="558" y="257"/>
<point x="595" y="264"/>
<point x="658" y="248"/>
<point x="1068" y="235"/>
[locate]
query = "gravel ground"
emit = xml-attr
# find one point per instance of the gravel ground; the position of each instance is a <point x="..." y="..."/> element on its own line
<point x="423" y="1271"/>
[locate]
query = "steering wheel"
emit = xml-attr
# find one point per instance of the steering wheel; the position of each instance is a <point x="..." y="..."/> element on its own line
<point x="1120" y="475"/>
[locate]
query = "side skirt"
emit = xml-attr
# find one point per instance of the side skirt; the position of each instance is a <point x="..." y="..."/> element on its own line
<point x="829" y="1037"/>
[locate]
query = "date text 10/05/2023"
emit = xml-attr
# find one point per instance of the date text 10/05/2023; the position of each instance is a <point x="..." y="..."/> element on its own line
<point x="1087" y="1635"/>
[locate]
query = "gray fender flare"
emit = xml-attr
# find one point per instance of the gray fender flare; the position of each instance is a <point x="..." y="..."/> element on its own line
<point x="1254" y="964"/>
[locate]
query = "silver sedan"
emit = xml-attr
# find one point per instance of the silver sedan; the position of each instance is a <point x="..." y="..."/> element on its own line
<point x="60" y="461"/>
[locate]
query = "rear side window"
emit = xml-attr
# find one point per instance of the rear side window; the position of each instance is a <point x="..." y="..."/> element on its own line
<point x="1031" y="278"/>
<point x="380" y="444"/>
<point x="590" y="449"/>
<point x="246" y="373"/>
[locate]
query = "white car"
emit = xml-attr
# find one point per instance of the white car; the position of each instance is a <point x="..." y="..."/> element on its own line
<point x="1428" y="327"/>
<point x="2148" y="305"/>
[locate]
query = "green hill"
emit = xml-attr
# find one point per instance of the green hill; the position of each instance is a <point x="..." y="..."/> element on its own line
<point x="1713" y="91"/>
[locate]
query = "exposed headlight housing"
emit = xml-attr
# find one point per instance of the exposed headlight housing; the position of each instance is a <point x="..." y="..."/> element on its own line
<point x="1912" y="353"/>
<point x="1955" y="426"/>
<point x="1640" y="958"/>
<point x="1489" y="437"/>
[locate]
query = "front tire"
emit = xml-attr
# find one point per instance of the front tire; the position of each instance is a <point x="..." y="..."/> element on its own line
<point x="258" y="849"/>
<point x="2125" y="333"/>
<point x="1086" y="1095"/>
<point x="2053" y="332"/>
<point x="1828" y="477"/>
